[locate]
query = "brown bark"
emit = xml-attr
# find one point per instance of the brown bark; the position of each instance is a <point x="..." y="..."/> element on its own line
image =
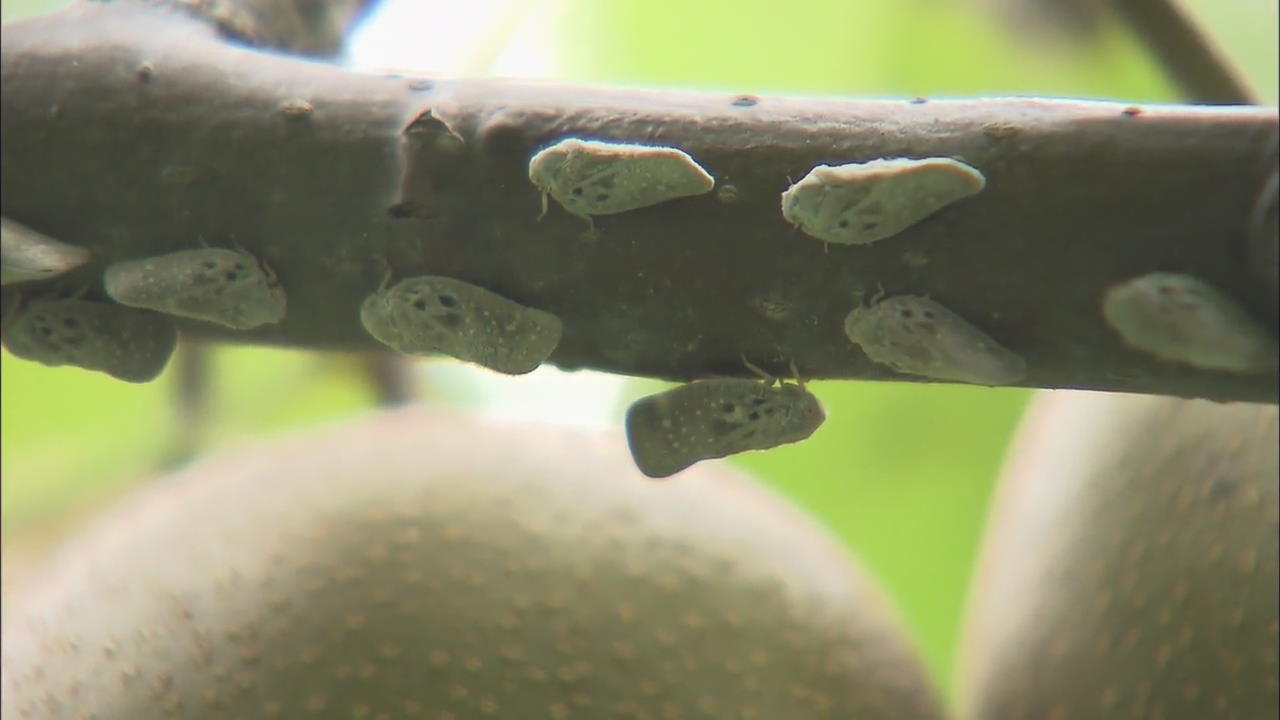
<point x="134" y="131"/>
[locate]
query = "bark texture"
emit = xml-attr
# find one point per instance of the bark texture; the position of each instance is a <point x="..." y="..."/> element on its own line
<point x="133" y="131"/>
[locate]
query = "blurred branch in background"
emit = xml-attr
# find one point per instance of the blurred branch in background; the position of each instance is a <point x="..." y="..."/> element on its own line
<point x="308" y="28"/>
<point x="393" y="379"/>
<point x="1186" y="51"/>
<point x="1179" y="39"/>
<point x="1079" y="21"/>
<point x="193" y="385"/>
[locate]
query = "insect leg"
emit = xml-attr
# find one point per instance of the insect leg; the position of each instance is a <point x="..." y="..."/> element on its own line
<point x="795" y="372"/>
<point x="768" y="379"/>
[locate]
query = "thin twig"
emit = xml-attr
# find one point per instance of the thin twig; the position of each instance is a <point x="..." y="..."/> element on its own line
<point x="1186" y="52"/>
<point x="392" y="378"/>
<point x="192" y="379"/>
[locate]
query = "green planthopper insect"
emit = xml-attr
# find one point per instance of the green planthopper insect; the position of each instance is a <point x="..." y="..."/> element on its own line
<point x="861" y="203"/>
<point x="26" y="255"/>
<point x="590" y="177"/>
<point x="706" y="419"/>
<point x="125" y="343"/>
<point x="217" y="285"/>
<point x="434" y="314"/>
<point x="917" y="336"/>
<point x="1182" y="319"/>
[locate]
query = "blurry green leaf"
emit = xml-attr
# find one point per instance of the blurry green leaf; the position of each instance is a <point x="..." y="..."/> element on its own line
<point x="72" y="437"/>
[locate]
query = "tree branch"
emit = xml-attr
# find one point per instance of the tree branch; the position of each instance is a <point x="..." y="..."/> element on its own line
<point x="1186" y="52"/>
<point x="133" y="131"/>
<point x="312" y="28"/>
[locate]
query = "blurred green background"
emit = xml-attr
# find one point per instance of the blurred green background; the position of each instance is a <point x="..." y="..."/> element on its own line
<point x="902" y="472"/>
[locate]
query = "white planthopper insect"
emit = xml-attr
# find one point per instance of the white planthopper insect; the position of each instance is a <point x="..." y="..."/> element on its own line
<point x="1183" y="319"/>
<point x="917" y="336"/>
<point x="125" y="343"/>
<point x="590" y="177"/>
<point x="26" y="255"/>
<point x="218" y="285"/>
<point x="433" y="314"/>
<point x="708" y="419"/>
<point x="860" y="203"/>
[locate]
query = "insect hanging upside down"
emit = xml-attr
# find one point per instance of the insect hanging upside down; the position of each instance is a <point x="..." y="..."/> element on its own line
<point x="706" y="419"/>
<point x="228" y="287"/>
<point x="1182" y="319"/>
<point x="915" y="335"/>
<point x="432" y="314"/>
<point x="126" y="343"/>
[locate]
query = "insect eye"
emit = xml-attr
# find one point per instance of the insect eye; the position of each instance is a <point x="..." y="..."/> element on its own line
<point x="447" y="300"/>
<point x="843" y="224"/>
<point x="577" y="192"/>
<point x="420" y="304"/>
